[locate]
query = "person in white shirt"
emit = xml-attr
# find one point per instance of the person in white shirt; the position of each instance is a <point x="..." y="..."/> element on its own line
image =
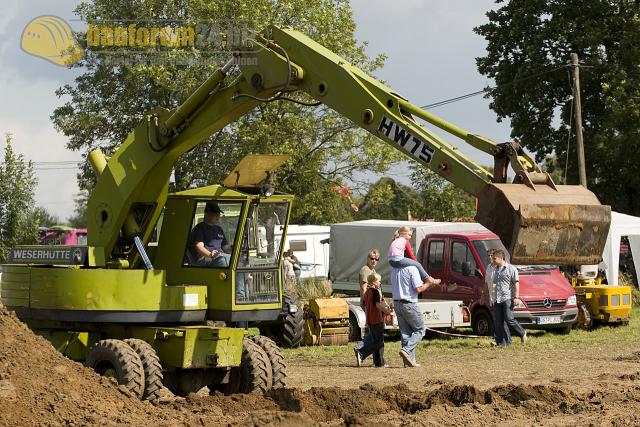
<point x="406" y="284"/>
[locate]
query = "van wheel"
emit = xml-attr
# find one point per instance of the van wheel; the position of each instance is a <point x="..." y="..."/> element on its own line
<point x="482" y="323"/>
<point x="355" y="333"/>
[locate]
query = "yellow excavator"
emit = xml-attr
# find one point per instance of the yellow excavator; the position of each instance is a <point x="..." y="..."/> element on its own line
<point x="146" y="313"/>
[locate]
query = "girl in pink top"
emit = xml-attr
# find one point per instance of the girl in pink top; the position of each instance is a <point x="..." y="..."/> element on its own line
<point x="400" y="253"/>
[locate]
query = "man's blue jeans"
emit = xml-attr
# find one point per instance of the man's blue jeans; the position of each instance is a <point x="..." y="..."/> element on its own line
<point x="504" y="319"/>
<point x="500" y="327"/>
<point x="411" y="325"/>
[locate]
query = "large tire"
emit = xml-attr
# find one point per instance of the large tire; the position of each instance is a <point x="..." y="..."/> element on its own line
<point x="289" y="333"/>
<point x="152" y="368"/>
<point x="278" y="365"/>
<point x="585" y="319"/>
<point x="116" y="358"/>
<point x="254" y="373"/>
<point x="482" y="323"/>
<point x="355" y="333"/>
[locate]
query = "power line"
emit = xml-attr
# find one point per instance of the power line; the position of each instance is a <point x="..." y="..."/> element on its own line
<point x="56" y="203"/>
<point x="60" y="163"/>
<point x="56" y="169"/>
<point x="490" y="89"/>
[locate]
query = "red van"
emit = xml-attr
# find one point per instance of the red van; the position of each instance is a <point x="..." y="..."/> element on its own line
<point x="460" y="258"/>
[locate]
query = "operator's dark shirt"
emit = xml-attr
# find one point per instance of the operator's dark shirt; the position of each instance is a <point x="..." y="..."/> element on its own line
<point x="211" y="235"/>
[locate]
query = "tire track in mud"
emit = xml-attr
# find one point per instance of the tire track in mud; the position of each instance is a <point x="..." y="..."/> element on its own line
<point x="353" y="405"/>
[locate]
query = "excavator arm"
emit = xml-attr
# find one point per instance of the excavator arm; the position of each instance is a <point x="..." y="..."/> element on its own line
<point x="538" y="222"/>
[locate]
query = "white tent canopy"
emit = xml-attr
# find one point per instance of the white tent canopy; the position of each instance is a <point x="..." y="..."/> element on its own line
<point x="621" y="225"/>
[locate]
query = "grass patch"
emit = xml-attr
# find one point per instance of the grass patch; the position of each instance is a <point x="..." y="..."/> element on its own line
<point x="309" y="288"/>
<point x="605" y="337"/>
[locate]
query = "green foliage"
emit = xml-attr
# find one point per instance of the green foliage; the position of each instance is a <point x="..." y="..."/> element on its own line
<point x="535" y="38"/>
<point x="18" y="224"/>
<point x="386" y="199"/>
<point x="44" y="218"/>
<point x="440" y="200"/>
<point x="107" y="101"/>
<point x="79" y="217"/>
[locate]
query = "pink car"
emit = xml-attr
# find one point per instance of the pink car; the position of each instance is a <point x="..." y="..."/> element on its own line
<point x="63" y="235"/>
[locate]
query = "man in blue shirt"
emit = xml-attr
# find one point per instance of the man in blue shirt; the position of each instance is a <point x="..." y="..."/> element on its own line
<point x="208" y="240"/>
<point x="406" y="284"/>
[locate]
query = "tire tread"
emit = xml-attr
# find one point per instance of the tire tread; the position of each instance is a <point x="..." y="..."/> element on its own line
<point x="124" y="360"/>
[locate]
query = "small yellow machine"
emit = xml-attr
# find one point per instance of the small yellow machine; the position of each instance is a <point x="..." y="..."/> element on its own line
<point x="326" y="322"/>
<point x="598" y="302"/>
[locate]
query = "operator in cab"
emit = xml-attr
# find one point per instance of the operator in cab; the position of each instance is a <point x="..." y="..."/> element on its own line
<point x="207" y="238"/>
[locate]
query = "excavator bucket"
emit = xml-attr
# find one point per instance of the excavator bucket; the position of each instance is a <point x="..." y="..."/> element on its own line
<point x="565" y="225"/>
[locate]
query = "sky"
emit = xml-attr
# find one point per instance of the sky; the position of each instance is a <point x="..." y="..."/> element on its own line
<point x="430" y="47"/>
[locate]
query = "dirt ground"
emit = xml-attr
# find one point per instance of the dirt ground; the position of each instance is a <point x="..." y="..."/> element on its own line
<point x="577" y="379"/>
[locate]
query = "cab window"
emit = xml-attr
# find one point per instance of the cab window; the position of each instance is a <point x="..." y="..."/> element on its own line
<point x="214" y="226"/>
<point x="435" y="261"/>
<point x="262" y="240"/>
<point x="461" y="254"/>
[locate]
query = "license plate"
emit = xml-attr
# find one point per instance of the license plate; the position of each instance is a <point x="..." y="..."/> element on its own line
<point x="548" y="320"/>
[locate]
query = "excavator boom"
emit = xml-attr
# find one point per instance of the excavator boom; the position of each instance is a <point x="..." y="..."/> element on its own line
<point x="539" y="222"/>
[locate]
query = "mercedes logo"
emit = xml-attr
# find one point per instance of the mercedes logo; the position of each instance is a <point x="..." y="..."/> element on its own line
<point x="547" y="303"/>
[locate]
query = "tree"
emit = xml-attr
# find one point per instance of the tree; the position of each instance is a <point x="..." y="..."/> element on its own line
<point x="440" y="200"/>
<point x="18" y="224"/>
<point x="44" y="218"/>
<point x="387" y="199"/>
<point x="529" y="46"/>
<point x="79" y="217"/>
<point x="107" y="101"/>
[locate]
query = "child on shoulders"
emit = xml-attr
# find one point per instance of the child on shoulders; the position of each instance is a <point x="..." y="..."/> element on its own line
<point x="400" y="253"/>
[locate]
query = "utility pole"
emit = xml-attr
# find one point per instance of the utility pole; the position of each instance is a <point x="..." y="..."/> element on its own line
<point x="578" y="110"/>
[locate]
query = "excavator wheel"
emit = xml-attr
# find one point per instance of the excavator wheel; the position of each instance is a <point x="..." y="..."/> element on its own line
<point x="152" y="368"/>
<point x="115" y="358"/>
<point x="254" y="373"/>
<point x="585" y="320"/>
<point x="278" y="365"/>
<point x="289" y="331"/>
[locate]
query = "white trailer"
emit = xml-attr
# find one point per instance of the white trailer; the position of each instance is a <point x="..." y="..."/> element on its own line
<point x="350" y="242"/>
<point x="621" y="225"/>
<point x="437" y="314"/>
<point x="305" y="240"/>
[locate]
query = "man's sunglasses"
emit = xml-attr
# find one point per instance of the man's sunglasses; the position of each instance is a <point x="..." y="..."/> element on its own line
<point x="374" y="259"/>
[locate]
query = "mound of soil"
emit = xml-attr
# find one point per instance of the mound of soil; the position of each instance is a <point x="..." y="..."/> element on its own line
<point x="38" y="385"/>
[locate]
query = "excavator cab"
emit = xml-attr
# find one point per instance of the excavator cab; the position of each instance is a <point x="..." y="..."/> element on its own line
<point x="242" y="227"/>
